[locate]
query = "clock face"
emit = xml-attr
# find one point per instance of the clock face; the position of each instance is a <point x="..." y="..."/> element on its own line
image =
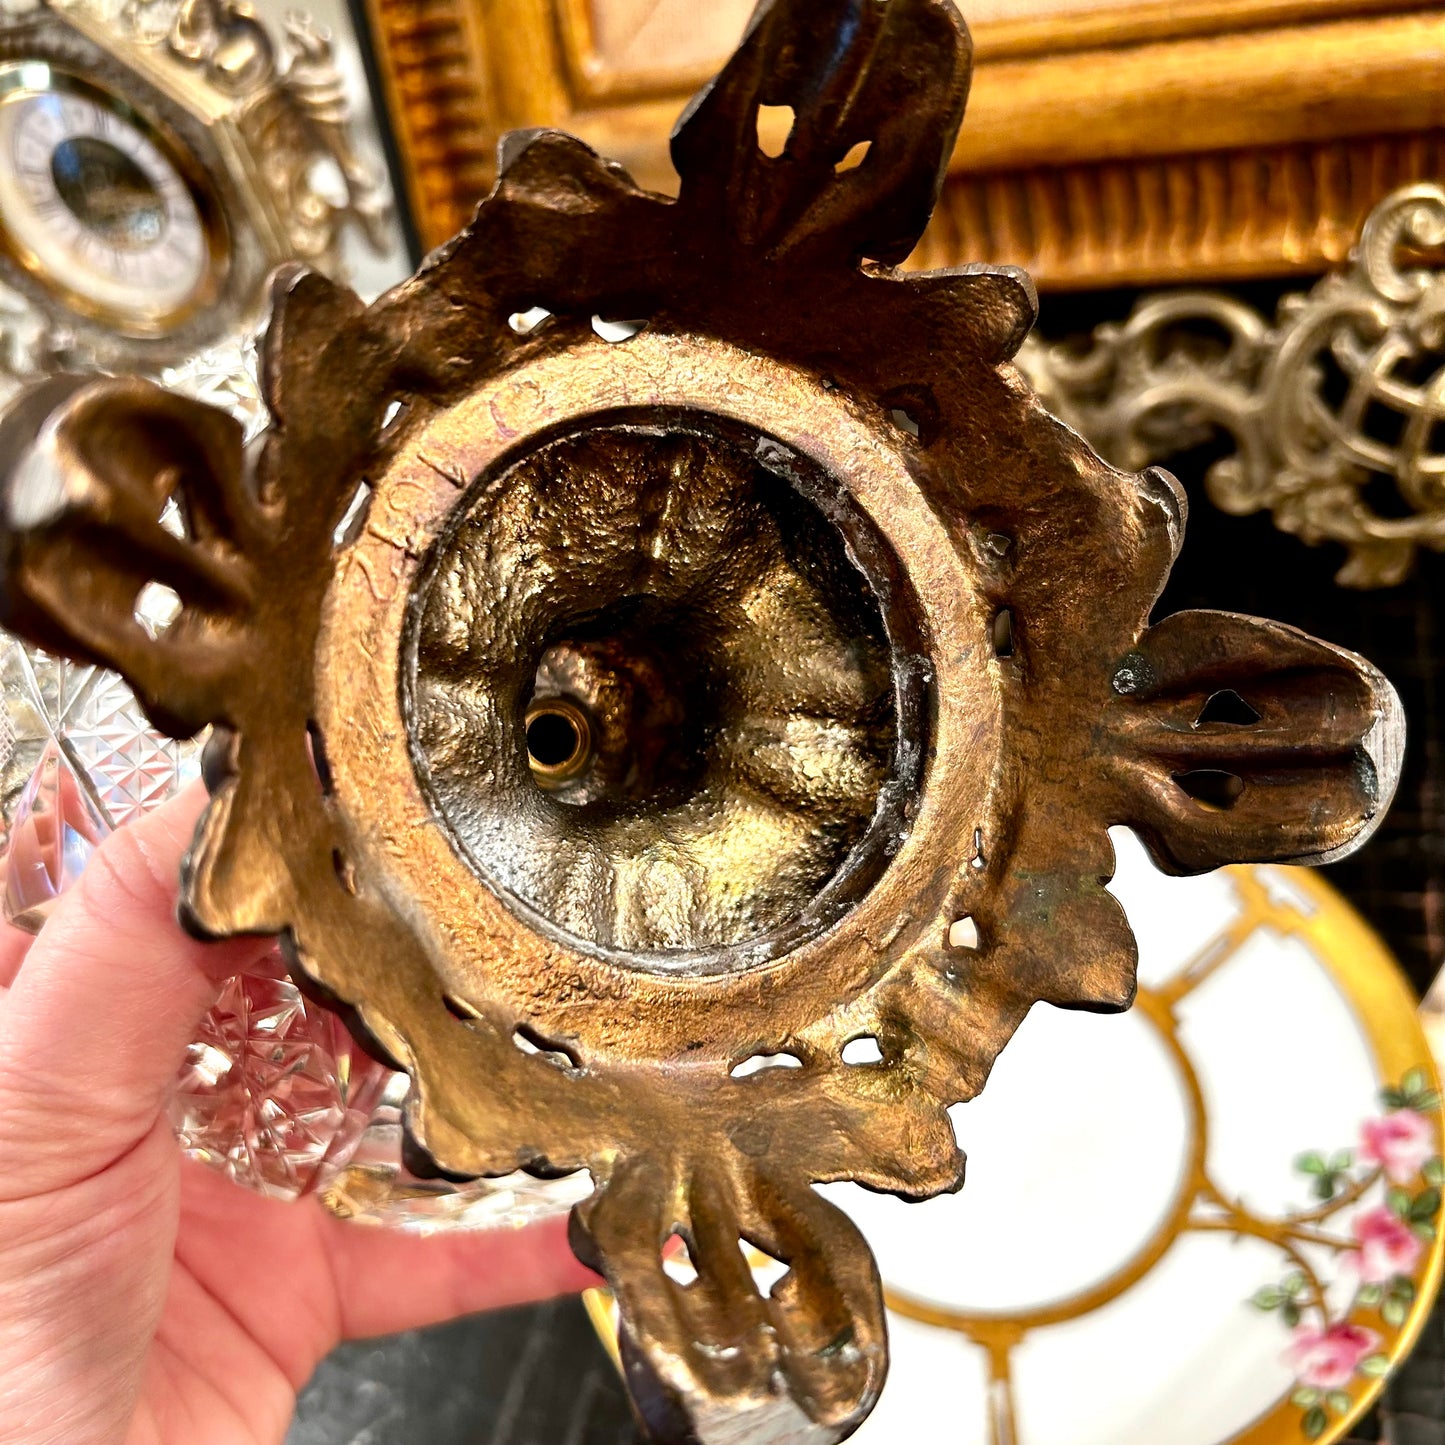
<point x="99" y="205"/>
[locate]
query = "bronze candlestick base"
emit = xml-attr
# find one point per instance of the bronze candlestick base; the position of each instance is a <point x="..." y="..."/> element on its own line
<point x="622" y="720"/>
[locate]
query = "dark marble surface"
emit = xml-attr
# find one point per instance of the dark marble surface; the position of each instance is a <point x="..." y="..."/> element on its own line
<point x="1413" y="1410"/>
<point x="530" y="1376"/>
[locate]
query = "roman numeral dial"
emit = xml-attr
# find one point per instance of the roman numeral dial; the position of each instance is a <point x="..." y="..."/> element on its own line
<point x="102" y="207"/>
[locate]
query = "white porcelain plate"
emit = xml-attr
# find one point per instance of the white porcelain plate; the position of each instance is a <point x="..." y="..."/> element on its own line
<point x="1214" y="1218"/>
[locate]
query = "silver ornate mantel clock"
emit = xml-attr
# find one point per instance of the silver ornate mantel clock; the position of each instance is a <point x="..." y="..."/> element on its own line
<point x="157" y="160"/>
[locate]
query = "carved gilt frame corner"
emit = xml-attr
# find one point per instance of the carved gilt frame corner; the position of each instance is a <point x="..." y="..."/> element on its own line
<point x="1129" y="143"/>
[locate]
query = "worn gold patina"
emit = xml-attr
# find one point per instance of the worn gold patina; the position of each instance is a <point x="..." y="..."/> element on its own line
<point x="721" y="664"/>
<point x="1266" y="909"/>
<point x="852" y="636"/>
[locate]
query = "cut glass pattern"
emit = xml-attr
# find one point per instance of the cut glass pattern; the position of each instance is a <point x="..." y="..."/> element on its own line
<point x="76" y="762"/>
<point x="273" y="1091"/>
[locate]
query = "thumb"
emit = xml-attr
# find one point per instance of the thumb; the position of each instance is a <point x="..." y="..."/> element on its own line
<point x="103" y="1008"/>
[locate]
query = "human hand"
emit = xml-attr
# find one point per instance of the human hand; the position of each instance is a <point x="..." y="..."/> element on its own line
<point x="143" y="1297"/>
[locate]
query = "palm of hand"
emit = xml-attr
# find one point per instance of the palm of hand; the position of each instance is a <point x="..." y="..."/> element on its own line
<point x="145" y="1299"/>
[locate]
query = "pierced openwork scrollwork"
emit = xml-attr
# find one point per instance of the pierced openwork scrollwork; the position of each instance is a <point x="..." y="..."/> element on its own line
<point x="843" y="652"/>
<point x="1336" y="408"/>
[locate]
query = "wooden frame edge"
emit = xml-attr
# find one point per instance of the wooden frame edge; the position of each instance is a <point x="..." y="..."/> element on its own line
<point x="1070" y="164"/>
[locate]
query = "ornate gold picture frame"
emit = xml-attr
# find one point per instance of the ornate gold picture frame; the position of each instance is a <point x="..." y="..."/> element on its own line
<point x="1109" y="142"/>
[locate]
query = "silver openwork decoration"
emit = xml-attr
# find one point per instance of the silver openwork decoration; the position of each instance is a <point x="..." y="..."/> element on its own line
<point x="294" y="114"/>
<point x="1337" y="407"/>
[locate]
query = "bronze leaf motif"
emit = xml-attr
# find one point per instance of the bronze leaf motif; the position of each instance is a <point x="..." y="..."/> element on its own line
<point x="660" y="644"/>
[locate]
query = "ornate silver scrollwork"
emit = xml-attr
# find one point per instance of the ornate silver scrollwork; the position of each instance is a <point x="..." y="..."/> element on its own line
<point x="297" y="118"/>
<point x="1336" y="408"/>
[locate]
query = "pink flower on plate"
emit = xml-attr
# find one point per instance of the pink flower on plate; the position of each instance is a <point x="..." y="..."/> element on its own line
<point x="1400" y="1144"/>
<point x="1388" y="1246"/>
<point x="1328" y="1358"/>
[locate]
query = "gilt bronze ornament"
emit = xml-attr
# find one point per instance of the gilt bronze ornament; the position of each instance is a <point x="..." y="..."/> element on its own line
<point x="662" y="644"/>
